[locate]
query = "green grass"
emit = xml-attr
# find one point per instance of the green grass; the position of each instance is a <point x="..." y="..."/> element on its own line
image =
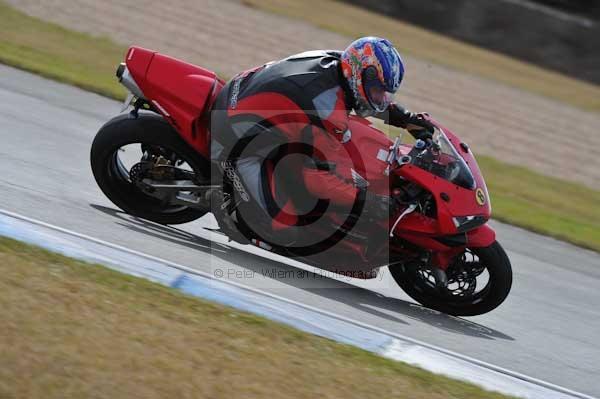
<point x="75" y="330"/>
<point x="520" y="197"/>
<point x="57" y="53"/>
<point x="550" y="206"/>
<point x="353" y="21"/>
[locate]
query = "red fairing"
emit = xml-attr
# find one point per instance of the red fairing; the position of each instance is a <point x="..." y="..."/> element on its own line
<point x="138" y="60"/>
<point x="481" y="237"/>
<point x="467" y="155"/>
<point x="181" y="92"/>
<point x="416" y="227"/>
<point x="462" y="202"/>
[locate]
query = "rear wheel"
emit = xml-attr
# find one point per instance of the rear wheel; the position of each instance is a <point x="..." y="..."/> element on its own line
<point x="123" y="149"/>
<point x="479" y="280"/>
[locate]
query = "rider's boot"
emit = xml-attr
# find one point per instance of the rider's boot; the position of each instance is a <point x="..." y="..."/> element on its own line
<point x="220" y="210"/>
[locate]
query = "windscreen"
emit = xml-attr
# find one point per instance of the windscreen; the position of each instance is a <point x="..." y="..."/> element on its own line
<point x="441" y="159"/>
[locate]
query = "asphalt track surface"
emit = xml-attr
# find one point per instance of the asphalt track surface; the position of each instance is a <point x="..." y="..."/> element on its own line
<point x="549" y="327"/>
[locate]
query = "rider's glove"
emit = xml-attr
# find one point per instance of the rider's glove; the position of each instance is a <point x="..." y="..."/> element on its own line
<point x="417" y="124"/>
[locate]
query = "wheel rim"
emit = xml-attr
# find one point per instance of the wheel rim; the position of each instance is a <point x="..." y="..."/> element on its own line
<point x="469" y="281"/>
<point x="126" y="157"/>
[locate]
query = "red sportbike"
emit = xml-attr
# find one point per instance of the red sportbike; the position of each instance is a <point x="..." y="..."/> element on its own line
<point x="154" y="163"/>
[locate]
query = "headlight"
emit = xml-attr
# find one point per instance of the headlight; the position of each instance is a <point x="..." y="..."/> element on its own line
<point x="466" y="223"/>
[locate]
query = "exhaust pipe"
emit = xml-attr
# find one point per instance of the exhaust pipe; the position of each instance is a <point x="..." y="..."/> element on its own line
<point x="127" y="80"/>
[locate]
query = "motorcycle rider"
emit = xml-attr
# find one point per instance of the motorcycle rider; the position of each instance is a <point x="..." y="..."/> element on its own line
<point x="305" y="99"/>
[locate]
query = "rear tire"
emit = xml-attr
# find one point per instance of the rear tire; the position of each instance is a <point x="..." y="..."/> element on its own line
<point x="499" y="284"/>
<point x="149" y="129"/>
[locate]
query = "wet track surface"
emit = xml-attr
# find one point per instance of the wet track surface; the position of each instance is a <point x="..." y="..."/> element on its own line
<point x="548" y="328"/>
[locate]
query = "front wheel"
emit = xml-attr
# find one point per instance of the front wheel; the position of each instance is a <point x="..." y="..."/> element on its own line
<point x="126" y="148"/>
<point x="479" y="280"/>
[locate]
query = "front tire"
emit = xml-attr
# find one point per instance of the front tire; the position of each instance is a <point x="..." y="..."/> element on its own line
<point x="113" y="179"/>
<point x="499" y="283"/>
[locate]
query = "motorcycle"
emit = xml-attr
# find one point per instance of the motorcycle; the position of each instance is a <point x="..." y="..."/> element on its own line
<point x="154" y="162"/>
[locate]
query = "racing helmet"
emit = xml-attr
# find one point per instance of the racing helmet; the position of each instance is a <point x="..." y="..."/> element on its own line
<point x="373" y="70"/>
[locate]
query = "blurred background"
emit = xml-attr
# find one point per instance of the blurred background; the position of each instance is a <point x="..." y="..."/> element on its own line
<point x="563" y="35"/>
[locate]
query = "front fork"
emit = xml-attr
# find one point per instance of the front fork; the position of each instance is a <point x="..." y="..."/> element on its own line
<point x="440" y="256"/>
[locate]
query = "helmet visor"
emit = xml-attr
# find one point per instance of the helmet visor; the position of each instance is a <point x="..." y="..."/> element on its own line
<point x="377" y="96"/>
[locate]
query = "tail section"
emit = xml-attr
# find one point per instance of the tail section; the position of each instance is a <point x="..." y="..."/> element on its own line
<point x="181" y="92"/>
